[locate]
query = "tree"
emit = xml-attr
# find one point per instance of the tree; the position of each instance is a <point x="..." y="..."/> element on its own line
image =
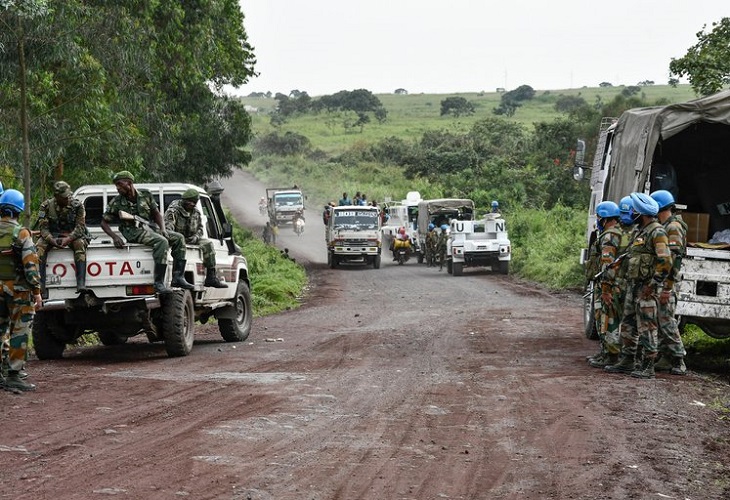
<point x="513" y="99"/>
<point x="605" y="84"/>
<point x="707" y="64"/>
<point x="457" y="106"/>
<point x="569" y="103"/>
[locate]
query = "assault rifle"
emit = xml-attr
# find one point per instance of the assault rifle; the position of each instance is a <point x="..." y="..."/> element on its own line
<point x="141" y="221"/>
<point x="616" y="262"/>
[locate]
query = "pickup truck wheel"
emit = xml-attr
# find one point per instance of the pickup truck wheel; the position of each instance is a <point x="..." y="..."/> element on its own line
<point x="108" y="337"/>
<point x="238" y="329"/>
<point x="46" y="345"/>
<point x="178" y="322"/>
<point x="376" y="262"/>
<point x="458" y="268"/>
<point x="503" y="267"/>
<point x="589" y="321"/>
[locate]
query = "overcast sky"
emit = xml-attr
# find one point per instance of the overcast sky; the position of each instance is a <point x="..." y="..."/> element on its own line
<point x="324" y="46"/>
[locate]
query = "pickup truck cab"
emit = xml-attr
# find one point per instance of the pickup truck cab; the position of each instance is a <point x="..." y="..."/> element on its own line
<point x="121" y="301"/>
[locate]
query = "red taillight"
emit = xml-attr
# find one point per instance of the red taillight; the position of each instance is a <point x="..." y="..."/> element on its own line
<point x="134" y="290"/>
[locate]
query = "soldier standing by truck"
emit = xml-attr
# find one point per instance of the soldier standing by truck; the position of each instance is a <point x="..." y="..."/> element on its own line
<point x="141" y="203"/>
<point x="21" y="288"/>
<point x="608" y="305"/>
<point x="650" y="262"/>
<point x="62" y="223"/>
<point x="671" y="347"/>
<point x="183" y="217"/>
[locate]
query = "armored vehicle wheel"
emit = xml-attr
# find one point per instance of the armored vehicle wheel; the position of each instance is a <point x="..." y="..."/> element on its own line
<point x="458" y="268"/>
<point x="376" y="262"/>
<point x="47" y="346"/>
<point x="108" y="337"/>
<point x="238" y="328"/>
<point x="178" y="322"/>
<point x="589" y="322"/>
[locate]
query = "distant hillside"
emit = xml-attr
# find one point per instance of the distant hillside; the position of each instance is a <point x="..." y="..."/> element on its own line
<point x="410" y="115"/>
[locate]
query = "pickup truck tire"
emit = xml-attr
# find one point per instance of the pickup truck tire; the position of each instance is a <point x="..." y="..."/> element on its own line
<point x="46" y="345"/>
<point x="503" y="267"/>
<point x="178" y="319"/>
<point x="238" y="329"/>
<point x="458" y="268"/>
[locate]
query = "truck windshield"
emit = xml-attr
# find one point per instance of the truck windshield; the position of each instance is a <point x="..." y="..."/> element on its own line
<point x="283" y="200"/>
<point x="356" y="219"/>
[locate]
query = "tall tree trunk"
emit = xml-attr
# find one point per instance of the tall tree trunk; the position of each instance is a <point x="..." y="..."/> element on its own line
<point x="24" y="122"/>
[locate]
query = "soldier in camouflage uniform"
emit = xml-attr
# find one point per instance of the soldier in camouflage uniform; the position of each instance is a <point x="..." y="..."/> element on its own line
<point x="440" y="252"/>
<point x="650" y="262"/>
<point x="182" y="217"/>
<point x="62" y="223"/>
<point x="21" y="288"/>
<point x="141" y="203"/>
<point x="607" y="285"/>
<point x="430" y="247"/>
<point x="671" y="347"/>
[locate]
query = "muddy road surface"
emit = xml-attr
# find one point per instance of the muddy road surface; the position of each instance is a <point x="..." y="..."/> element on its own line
<point x="397" y="383"/>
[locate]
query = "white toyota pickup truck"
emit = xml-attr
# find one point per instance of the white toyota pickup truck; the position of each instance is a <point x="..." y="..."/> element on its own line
<point x="121" y="301"/>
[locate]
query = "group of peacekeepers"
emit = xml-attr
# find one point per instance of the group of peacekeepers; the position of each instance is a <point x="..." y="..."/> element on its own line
<point x="636" y="258"/>
<point x="62" y="224"/>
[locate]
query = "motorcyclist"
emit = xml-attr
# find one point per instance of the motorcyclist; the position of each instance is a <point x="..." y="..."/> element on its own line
<point x="401" y="241"/>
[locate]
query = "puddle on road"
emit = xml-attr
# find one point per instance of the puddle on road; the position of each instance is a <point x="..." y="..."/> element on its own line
<point x="260" y="378"/>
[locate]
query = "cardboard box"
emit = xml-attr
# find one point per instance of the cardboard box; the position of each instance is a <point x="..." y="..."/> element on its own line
<point x="698" y="226"/>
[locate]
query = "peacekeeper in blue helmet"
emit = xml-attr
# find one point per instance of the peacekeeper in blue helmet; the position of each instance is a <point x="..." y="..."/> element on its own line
<point x="140" y="202"/>
<point x="671" y="347"/>
<point x="650" y="262"/>
<point x="607" y="306"/>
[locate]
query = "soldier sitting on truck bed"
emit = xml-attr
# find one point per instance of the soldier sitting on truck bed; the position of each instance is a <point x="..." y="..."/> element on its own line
<point x="141" y="203"/>
<point x="62" y="224"/>
<point x="182" y="217"/>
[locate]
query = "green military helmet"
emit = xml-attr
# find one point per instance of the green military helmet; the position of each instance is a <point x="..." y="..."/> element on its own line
<point x="124" y="174"/>
<point x="191" y="194"/>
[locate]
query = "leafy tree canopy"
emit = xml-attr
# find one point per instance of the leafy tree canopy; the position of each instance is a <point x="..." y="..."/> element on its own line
<point x="457" y="106"/>
<point x="706" y="64"/>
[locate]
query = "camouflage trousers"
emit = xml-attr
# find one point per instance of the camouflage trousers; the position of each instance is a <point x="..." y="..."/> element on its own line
<point x="16" y="318"/>
<point x="639" y="325"/>
<point x="174" y="242"/>
<point x="206" y="248"/>
<point x="608" y="318"/>
<point x="78" y="246"/>
<point x="670" y="340"/>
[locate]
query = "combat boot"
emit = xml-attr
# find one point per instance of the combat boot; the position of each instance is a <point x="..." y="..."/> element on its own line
<point x="664" y="364"/>
<point x="178" y="275"/>
<point x="212" y="280"/>
<point x="625" y="365"/>
<point x="80" y="276"/>
<point x="13" y="382"/>
<point x="160" y="271"/>
<point x="608" y="359"/>
<point x="646" y="370"/>
<point x="678" y="366"/>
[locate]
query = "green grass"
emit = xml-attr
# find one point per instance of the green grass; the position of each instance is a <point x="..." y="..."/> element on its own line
<point x="410" y="115"/>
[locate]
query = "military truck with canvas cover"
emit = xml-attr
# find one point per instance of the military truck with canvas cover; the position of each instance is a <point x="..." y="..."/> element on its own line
<point x="682" y="148"/>
<point x="478" y="243"/>
<point x="353" y="236"/>
<point x="283" y="203"/>
<point x="441" y="211"/>
<point x="121" y="301"/>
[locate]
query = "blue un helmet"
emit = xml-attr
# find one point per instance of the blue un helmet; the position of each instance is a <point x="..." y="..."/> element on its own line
<point x="663" y="198"/>
<point x="444" y="227"/>
<point x="431" y="226"/>
<point x="644" y="204"/>
<point x="12" y="200"/>
<point x="626" y="207"/>
<point x="607" y="209"/>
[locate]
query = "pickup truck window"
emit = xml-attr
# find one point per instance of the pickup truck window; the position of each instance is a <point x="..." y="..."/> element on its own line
<point x="212" y="224"/>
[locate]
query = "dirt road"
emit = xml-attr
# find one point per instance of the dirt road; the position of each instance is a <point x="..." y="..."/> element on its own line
<point x="398" y="383"/>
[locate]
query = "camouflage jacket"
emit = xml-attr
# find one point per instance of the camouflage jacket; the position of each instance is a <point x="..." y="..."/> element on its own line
<point x="189" y="224"/>
<point x="54" y="220"/>
<point x="143" y="206"/>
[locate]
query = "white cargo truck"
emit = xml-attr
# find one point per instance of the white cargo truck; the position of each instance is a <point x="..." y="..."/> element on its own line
<point x="353" y="236"/>
<point x="681" y="148"/>
<point x="121" y="301"/>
